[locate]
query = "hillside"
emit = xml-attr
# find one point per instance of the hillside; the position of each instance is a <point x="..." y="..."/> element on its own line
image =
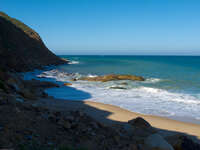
<point x="21" y="48"/>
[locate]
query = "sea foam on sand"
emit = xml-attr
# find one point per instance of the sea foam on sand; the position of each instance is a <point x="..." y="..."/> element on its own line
<point x="134" y="96"/>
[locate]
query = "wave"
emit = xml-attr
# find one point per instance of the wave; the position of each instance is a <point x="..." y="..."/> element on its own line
<point x="73" y="62"/>
<point x="153" y="80"/>
<point x="144" y="99"/>
<point x="133" y="96"/>
<point x="62" y="76"/>
<point x="92" y="76"/>
<point x="176" y="97"/>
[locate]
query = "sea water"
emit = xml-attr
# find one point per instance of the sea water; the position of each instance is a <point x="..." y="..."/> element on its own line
<point x="171" y="88"/>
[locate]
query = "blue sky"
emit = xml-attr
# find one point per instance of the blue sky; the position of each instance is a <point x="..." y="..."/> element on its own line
<point x="112" y="26"/>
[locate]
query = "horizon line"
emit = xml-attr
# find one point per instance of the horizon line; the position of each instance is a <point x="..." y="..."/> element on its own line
<point x="125" y="55"/>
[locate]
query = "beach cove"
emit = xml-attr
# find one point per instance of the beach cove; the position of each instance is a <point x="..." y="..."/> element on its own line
<point x="173" y="93"/>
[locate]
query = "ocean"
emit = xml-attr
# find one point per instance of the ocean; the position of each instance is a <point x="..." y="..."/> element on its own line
<point x="171" y="88"/>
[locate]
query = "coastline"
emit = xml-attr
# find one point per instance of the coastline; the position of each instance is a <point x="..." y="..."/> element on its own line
<point x="110" y="115"/>
<point x="32" y="119"/>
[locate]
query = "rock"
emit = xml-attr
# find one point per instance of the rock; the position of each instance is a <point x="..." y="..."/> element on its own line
<point x="67" y="84"/>
<point x="26" y="93"/>
<point x="117" y="138"/>
<point x="19" y="100"/>
<point x="182" y="142"/>
<point x="124" y="83"/>
<point x="118" y="87"/>
<point x="52" y="117"/>
<point x="157" y="142"/>
<point x="113" y="77"/>
<point x="34" y="84"/>
<point x="67" y="125"/>
<point x="140" y="128"/>
<point x="73" y="79"/>
<point x="139" y="122"/>
<point x="95" y="125"/>
<point x="70" y="118"/>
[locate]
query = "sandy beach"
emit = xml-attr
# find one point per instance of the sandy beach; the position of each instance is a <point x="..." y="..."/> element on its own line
<point x="110" y="114"/>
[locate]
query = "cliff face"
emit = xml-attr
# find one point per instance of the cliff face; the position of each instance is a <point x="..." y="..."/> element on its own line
<point x="21" y="48"/>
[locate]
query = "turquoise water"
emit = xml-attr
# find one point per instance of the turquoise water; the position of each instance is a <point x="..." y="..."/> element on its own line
<point x="178" y="73"/>
<point x="172" y="86"/>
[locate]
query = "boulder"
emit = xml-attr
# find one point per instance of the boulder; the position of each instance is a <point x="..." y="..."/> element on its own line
<point x="139" y="122"/>
<point x="182" y="142"/>
<point x="113" y="77"/>
<point x="157" y="142"/>
<point x="140" y="128"/>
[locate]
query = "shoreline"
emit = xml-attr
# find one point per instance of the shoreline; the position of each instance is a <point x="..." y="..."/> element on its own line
<point x="110" y="114"/>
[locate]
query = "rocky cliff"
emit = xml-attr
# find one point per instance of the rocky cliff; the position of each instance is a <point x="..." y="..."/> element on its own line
<point x="21" y="48"/>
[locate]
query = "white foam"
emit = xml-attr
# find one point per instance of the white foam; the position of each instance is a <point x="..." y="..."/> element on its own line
<point x="137" y="97"/>
<point x="55" y="74"/>
<point x="73" y="62"/>
<point x="91" y="75"/>
<point x="153" y="80"/>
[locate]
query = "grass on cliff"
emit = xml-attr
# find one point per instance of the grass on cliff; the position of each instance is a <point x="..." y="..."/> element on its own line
<point x="18" y="23"/>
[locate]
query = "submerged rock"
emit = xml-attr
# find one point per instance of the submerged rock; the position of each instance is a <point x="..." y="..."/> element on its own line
<point x="118" y="87"/>
<point x="124" y="83"/>
<point x="113" y="77"/>
<point x="67" y="84"/>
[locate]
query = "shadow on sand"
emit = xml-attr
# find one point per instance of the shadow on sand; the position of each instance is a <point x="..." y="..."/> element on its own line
<point x="99" y="113"/>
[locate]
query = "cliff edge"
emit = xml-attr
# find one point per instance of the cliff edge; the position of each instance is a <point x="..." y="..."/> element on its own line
<point x="21" y="48"/>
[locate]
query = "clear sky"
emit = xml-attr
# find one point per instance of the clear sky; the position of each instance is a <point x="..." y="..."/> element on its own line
<point x="112" y="26"/>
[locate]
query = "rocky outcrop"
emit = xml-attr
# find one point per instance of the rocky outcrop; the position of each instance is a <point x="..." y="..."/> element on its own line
<point x="12" y="83"/>
<point x="21" y="48"/>
<point x="139" y="122"/>
<point x="113" y="77"/>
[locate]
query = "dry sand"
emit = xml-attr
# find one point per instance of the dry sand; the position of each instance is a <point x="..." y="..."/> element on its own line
<point x="113" y="115"/>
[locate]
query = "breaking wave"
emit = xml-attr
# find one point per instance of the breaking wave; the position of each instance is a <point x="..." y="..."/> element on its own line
<point x="130" y="95"/>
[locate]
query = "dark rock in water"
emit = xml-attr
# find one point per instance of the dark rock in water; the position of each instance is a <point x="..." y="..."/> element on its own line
<point x="124" y="83"/>
<point x="113" y="77"/>
<point x="118" y="87"/>
<point x="40" y="84"/>
<point x="139" y="122"/>
<point x="73" y="79"/>
<point x="21" y="48"/>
